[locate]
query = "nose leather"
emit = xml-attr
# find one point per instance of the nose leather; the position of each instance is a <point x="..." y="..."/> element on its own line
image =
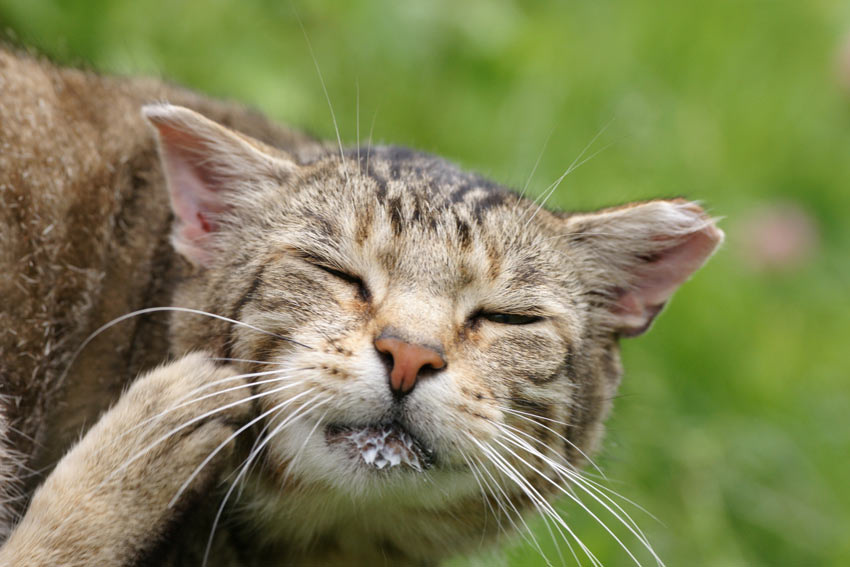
<point x="408" y="360"/>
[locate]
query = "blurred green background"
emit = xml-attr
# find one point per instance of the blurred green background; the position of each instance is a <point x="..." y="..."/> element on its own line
<point x="733" y="428"/>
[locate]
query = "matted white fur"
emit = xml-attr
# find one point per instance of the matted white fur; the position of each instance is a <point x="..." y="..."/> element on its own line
<point x="382" y="447"/>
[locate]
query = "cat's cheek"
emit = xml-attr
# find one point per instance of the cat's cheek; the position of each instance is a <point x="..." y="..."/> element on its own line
<point x="453" y="406"/>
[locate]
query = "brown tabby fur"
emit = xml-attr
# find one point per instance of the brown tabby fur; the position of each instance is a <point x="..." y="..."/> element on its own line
<point x="85" y="233"/>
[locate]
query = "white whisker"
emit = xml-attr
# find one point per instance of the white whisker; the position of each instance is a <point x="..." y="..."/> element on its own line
<point x="186" y="424"/>
<point x="245" y="360"/>
<point x="369" y="146"/>
<point x="246" y="465"/>
<point x="577" y="162"/>
<point x="523" y="415"/>
<point x="490" y="454"/>
<point x="230" y="438"/>
<point x="325" y="90"/>
<point x="147" y="310"/>
<point x="572" y="476"/>
<point x="542" y="505"/>
<point x="301" y="448"/>
<point x="501" y="503"/>
<point x="357" y="124"/>
<point x="484" y="498"/>
<point x="181" y="403"/>
<point x="534" y="169"/>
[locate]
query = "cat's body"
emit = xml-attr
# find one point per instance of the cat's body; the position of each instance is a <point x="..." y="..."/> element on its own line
<point x="85" y="238"/>
<point x="399" y="298"/>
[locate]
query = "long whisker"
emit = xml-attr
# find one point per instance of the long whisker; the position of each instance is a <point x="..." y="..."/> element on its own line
<point x="247" y="462"/>
<point x="576" y="475"/>
<point x="533" y="415"/>
<point x="357" y="124"/>
<point x="500" y="501"/>
<point x="484" y="498"/>
<point x="294" y="459"/>
<point x="524" y="415"/>
<point x="245" y="360"/>
<point x="543" y="507"/>
<point x="572" y="497"/>
<point x="262" y="441"/>
<point x="534" y="541"/>
<point x="573" y="475"/>
<point x="224" y="443"/>
<point x="630" y="525"/>
<point x="540" y="502"/>
<point x="577" y="162"/>
<point x="604" y="492"/>
<point x="534" y="169"/>
<point x="597" y="491"/>
<point x="325" y="90"/>
<point x="567" y="472"/>
<point x="533" y="439"/>
<point x="147" y="310"/>
<point x="145" y="450"/>
<point x="369" y="146"/>
<point x="181" y="403"/>
<point x="546" y="519"/>
<point x="547" y="194"/>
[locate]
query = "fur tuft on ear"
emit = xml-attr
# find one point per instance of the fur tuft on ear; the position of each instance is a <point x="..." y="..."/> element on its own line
<point x="204" y="163"/>
<point x="636" y="256"/>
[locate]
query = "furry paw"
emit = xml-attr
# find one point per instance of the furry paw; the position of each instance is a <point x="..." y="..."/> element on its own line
<point x="115" y="491"/>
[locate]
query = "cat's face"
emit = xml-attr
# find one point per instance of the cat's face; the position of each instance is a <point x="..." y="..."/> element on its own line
<point x="415" y="269"/>
<point x="426" y="335"/>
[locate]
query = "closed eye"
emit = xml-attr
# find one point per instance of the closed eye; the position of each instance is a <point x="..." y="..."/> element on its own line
<point x="362" y="290"/>
<point x="509" y="318"/>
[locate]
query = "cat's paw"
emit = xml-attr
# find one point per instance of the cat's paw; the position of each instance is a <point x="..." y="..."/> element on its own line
<point x="177" y="418"/>
<point x="165" y="439"/>
<point x="191" y="390"/>
<point x="171" y="421"/>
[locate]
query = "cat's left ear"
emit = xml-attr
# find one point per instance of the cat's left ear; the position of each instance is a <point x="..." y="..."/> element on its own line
<point x="206" y="165"/>
<point x="636" y="256"/>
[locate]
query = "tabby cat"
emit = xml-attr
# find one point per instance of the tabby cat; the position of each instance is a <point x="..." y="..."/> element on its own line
<point x="347" y="357"/>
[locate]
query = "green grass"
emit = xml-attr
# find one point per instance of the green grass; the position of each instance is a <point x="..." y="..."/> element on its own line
<point x="733" y="425"/>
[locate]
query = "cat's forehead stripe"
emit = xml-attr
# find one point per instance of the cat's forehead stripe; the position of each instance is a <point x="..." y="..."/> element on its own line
<point x="416" y="214"/>
<point x="405" y="172"/>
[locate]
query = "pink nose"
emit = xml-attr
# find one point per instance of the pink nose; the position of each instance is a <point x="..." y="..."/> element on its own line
<point x="408" y="360"/>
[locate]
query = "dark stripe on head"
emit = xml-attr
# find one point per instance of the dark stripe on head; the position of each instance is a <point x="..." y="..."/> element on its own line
<point x="394" y="207"/>
<point x="464" y="233"/>
<point x="494" y="199"/>
<point x="459" y="193"/>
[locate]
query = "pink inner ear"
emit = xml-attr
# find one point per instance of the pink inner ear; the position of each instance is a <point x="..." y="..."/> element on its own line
<point x="195" y="192"/>
<point x="193" y="198"/>
<point x="657" y="280"/>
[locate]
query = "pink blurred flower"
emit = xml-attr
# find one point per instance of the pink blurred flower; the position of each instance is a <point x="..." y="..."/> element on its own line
<point x="779" y="237"/>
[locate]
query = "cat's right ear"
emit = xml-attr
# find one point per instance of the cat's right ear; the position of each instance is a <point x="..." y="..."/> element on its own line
<point x="205" y="166"/>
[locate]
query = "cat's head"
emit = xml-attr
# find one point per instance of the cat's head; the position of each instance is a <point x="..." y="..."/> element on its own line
<point x="423" y="334"/>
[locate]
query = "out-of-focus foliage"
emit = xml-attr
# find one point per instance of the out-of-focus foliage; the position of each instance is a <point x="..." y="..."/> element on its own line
<point x="733" y="427"/>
